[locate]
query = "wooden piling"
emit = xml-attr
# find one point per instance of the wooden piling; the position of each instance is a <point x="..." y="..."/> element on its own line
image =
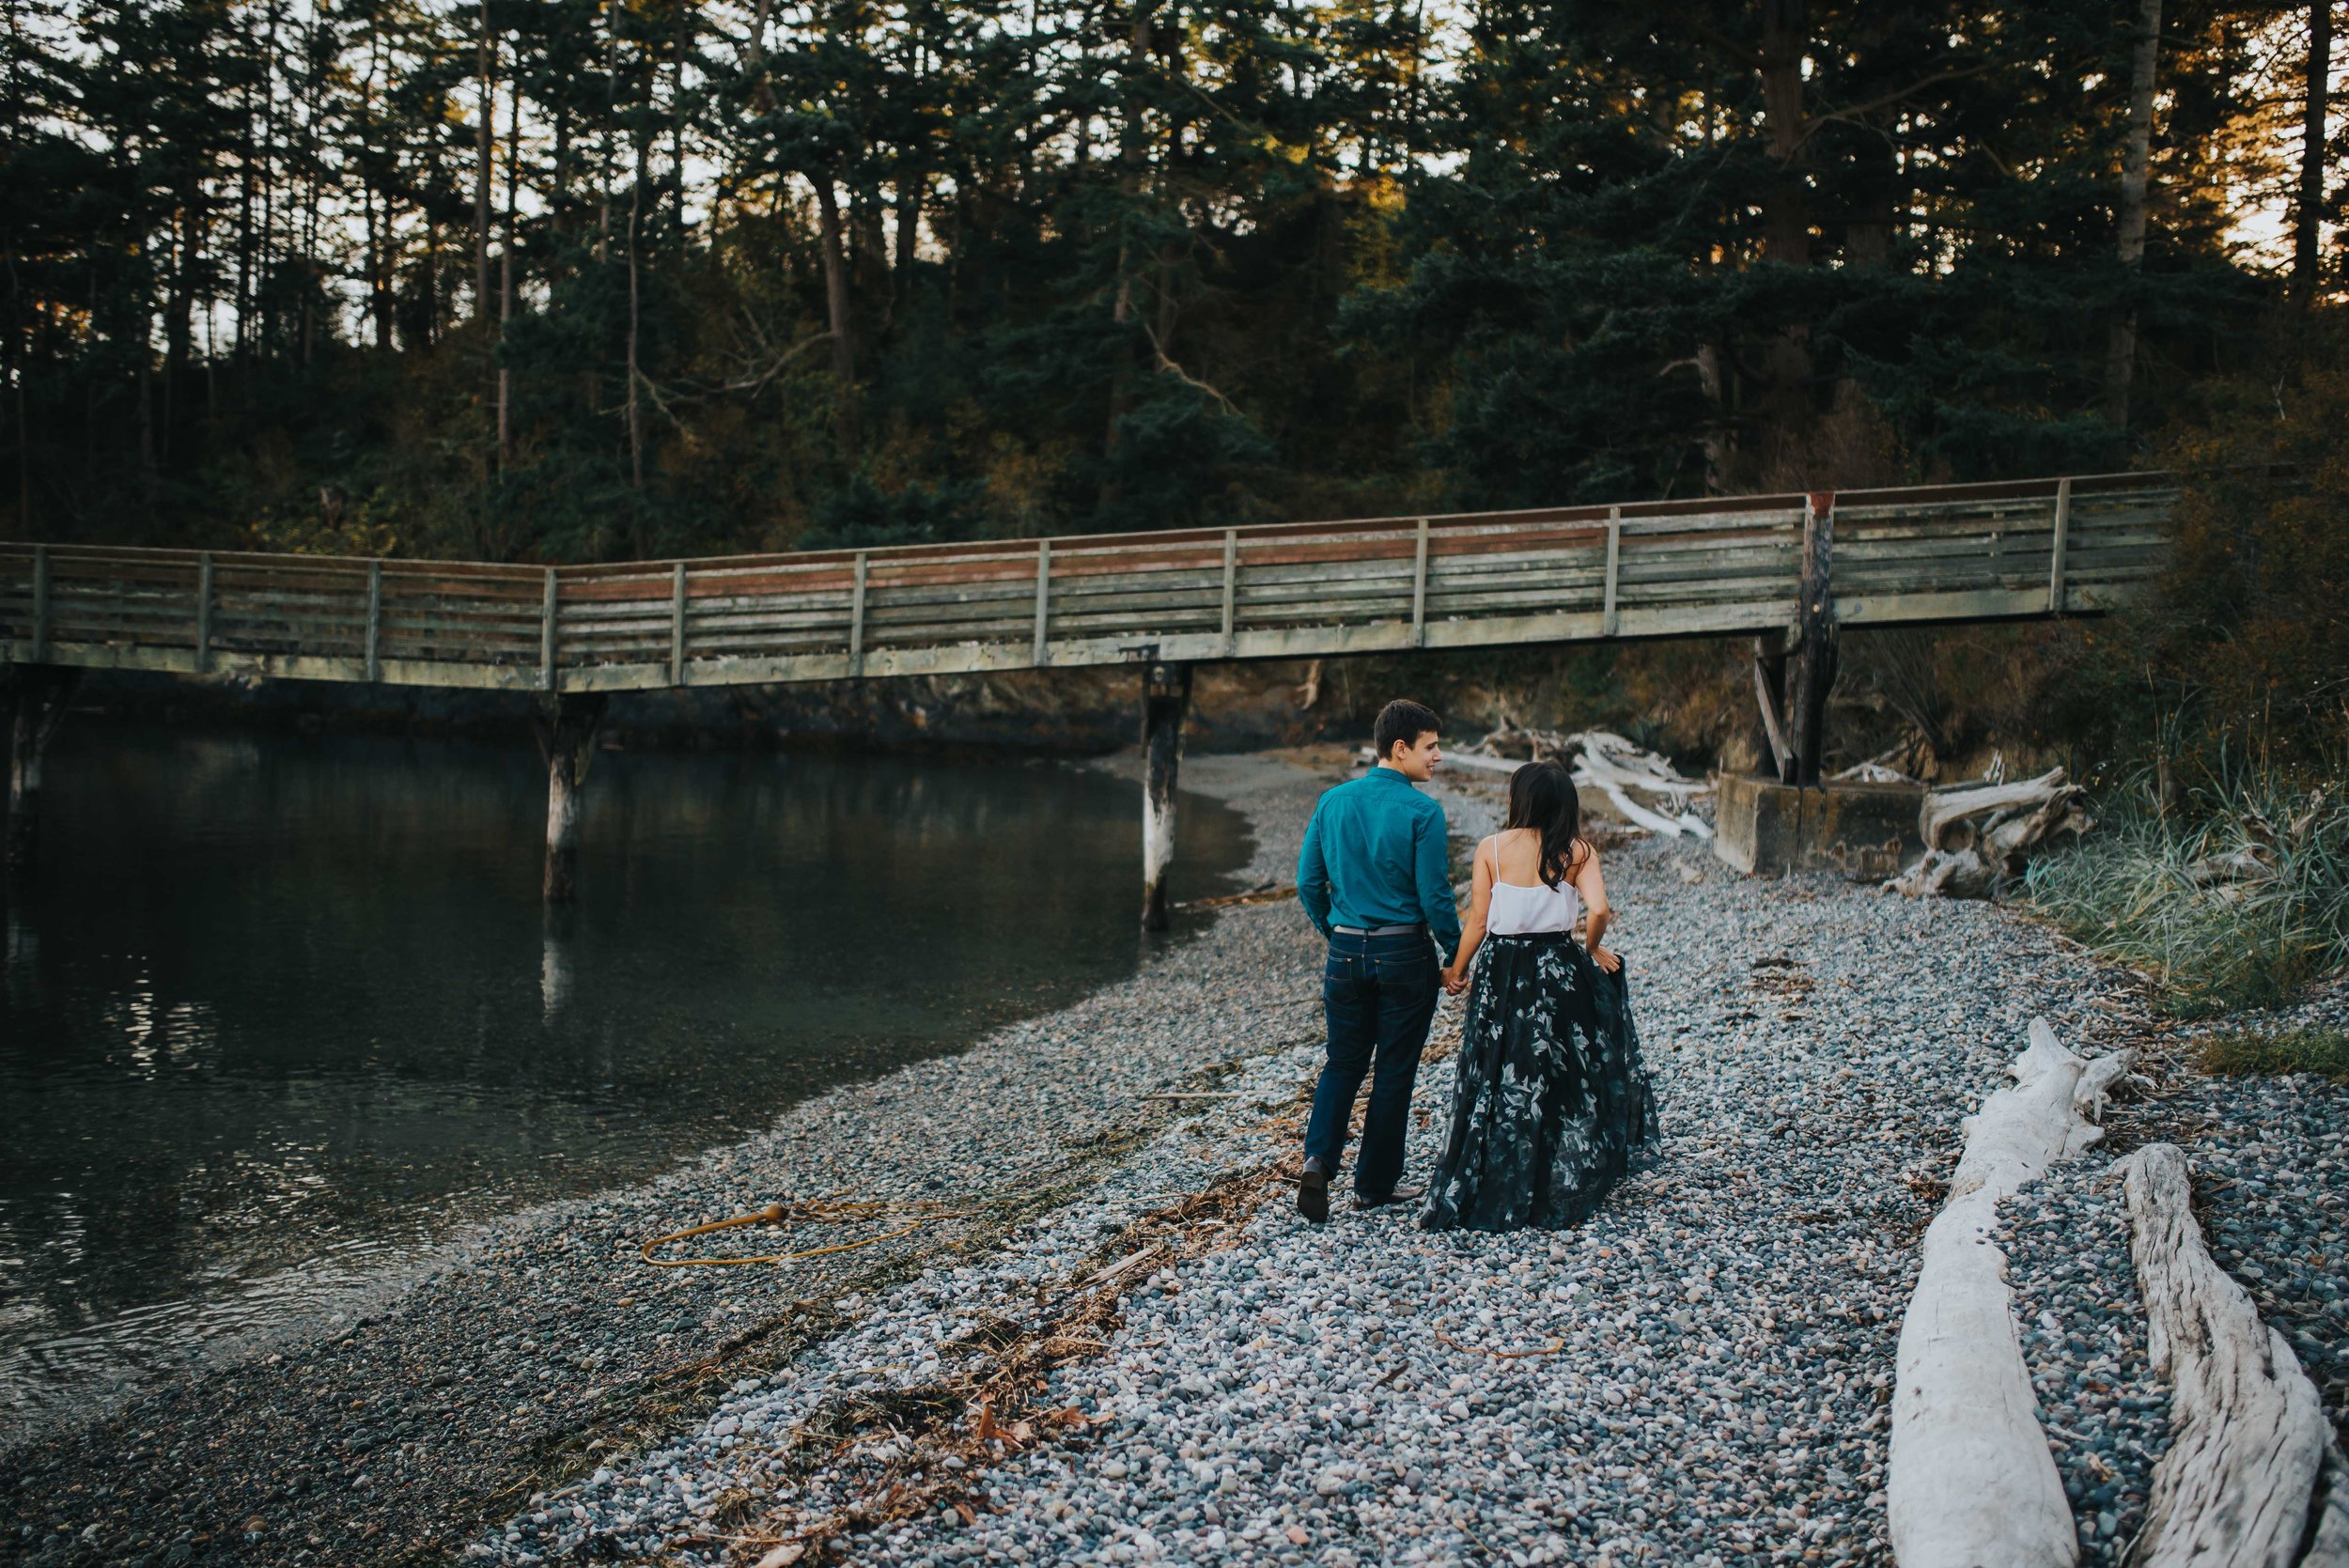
<point x="42" y="692"/>
<point x="1814" y="638"/>
<point x="566" y="723"/>
<point x="1165" y="702"/>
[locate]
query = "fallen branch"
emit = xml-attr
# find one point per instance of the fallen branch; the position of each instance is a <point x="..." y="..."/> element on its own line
<point x="2251" y="1447"/>
<point x="1972" y="1482"/>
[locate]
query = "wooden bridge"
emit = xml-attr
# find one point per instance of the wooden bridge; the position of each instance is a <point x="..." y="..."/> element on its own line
<point x="573" y="634"/>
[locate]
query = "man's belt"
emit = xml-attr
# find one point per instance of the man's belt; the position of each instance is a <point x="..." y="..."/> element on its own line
<point x="1378" y="930"/>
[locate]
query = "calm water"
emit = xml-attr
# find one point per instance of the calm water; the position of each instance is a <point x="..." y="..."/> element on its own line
<point x="277" y="1014"/>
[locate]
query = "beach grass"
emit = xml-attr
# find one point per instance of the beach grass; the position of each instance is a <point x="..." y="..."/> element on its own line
<point x="2238" y="900"/>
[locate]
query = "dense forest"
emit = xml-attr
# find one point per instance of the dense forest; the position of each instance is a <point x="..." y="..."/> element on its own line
<point x="579" y="279"/>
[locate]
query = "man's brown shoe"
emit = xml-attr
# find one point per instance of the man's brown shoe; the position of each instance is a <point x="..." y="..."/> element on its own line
<point x="1400" y="1195"/>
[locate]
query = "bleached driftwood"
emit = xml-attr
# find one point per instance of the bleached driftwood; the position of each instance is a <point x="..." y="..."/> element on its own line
<point x="1604" y="761"/>
<point x="1655" y="822"/>
<point x="2098" y="1079"/>
<point x="1981" y="836"/>
<point x="1972" y="1482"/>
<point x="1616" y="767"/>
<point x="1939" y="874"/>
<point x="1958" y="818"/>
<point x="1634" y="767"/>
<point x="2249" y="1439"/>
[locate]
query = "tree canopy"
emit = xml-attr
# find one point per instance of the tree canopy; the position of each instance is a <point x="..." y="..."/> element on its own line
<point x="588" y="279"/>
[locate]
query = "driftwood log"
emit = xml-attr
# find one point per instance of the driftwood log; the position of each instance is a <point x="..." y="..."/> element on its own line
<point x="1609" y="763"/>
<point x="2252" y="1478"/>
<point x="1972" y="1482"/>
<point x="1980" y="836"/>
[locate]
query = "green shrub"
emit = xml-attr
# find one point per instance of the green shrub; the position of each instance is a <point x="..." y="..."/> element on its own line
<point x="2235" y="901"/>
<point x="2237" y="1055"/>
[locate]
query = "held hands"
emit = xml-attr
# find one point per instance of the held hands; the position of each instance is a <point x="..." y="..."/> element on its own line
<point x="1456" y="979"/>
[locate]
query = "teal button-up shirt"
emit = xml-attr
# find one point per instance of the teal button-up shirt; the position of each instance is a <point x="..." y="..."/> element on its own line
<point x="1375" y="855"/>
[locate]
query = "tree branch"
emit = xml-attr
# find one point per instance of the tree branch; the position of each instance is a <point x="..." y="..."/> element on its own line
<point x="1183" y="376"/>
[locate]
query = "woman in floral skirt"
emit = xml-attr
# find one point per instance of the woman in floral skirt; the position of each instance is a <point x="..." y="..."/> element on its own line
<point x="1552" y="1104"/>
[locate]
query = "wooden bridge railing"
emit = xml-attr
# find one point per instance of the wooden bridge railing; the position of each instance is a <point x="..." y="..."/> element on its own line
<point x="1642" y="569"/>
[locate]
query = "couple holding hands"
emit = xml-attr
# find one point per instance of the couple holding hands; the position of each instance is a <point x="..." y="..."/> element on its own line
<point x="1552" y="1104"/>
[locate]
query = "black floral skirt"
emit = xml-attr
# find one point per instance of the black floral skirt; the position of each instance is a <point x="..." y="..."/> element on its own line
<point x="1553" y="1104"/>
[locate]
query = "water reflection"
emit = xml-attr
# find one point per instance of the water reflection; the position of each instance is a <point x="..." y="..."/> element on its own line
<point x="274" y="1014"/>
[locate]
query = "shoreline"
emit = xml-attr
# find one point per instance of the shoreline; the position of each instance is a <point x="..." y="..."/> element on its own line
<point x="1725" y="1324"/>
<point x="431" y="1375"/>
<point x="87" y="1333"/>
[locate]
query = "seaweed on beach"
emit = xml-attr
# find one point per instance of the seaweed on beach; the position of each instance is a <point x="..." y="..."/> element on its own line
<point x="942" y="1431"/>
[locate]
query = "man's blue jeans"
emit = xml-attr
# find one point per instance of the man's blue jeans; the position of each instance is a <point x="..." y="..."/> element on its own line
<point x="1380" y="994"/>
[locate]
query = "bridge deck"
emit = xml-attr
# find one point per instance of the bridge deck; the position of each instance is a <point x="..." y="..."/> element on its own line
<point x="1578" y="573"/>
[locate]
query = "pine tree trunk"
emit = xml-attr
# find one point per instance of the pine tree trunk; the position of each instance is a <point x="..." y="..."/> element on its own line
<point x="611" y="119"/>
<point x="2309" y="215"/>
<point x="2137" y="161"/>
<point x="559" y="198"/>
<point x="910" y="192"/>
<point x="836" y="309"/>
<point x="1786" y="358"/>
<point x="1130" y="154"/>
<point x="431" y="282"/>
<point x="379" y="260"/>
<point x="178" y="330"/>
<point x="244" y="227"/>
<point x="486" y="148"/>
<point x="684" y="43"/>
<point x="636" y="401"/>
<point x="374" y="259"/>
<point x="268" y="185"/>
<point x="387" y="279"/>
<point x="146" y="409"/>
<point x="506" y="269"/>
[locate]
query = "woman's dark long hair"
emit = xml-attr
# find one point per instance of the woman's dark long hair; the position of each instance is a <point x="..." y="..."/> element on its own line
<point x="1542" y="797"/>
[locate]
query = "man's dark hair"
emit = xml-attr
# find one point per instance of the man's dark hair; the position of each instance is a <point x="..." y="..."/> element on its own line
<point x="1405" y="720"/>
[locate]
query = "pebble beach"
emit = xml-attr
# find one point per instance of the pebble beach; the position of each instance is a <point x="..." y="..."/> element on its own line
<point x="1115" y="1341"/>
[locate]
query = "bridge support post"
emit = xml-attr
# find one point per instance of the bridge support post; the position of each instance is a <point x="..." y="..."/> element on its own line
<point x="1165" y="702"/>
<point x="1814" y="640"/>
<point x="566" y="724"/>
<point x="41" y="694"/>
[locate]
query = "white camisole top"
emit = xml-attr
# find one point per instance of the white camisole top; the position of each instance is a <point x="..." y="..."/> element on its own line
<point x="1518" y="910"/>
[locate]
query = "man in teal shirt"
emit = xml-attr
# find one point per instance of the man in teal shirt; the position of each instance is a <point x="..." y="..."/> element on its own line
<point x="1376" y="880"/>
